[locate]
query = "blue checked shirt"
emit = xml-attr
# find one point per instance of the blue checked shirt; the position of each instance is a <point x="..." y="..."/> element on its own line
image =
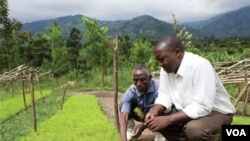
<point x="133" y="98"/>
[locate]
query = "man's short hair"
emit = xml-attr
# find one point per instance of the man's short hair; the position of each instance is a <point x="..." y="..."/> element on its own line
<point x="140" y="66"/>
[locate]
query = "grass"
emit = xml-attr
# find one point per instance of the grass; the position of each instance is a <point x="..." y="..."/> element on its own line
<point x="240" y="120"/>
<point x="239" y="109"/>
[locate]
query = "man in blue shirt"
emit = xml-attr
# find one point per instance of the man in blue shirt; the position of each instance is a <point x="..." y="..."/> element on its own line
<point x="137" y="101"/>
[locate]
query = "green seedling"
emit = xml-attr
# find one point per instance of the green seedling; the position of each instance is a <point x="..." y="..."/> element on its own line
<point x="138" y="112"/>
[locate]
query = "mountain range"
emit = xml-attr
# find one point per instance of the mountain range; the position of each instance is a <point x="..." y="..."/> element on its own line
<point x="231" y="24"/>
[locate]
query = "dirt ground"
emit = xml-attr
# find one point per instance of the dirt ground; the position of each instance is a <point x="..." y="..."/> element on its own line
<point x="105" y="99"/>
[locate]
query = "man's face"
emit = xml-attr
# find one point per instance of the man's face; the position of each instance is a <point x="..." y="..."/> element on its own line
<point x="141" y="80"/>
<point x="168" y="58"/>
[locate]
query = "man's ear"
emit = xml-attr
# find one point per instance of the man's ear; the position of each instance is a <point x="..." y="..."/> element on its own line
<point x="150" y="77"/>
<point x="178" y="52"/>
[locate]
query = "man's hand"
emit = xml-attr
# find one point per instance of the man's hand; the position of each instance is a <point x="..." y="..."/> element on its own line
<point x="157" y="123"/>
<point x="154" y="111"/>
<point x="149" y="115"/>
<point x="138" y="129"/>
<point x="160" y="122"/>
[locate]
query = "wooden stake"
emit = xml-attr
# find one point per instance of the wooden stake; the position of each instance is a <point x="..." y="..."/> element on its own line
<point x="37" y="80"/>
<point x="246" y="102"/>
<point x="24" y="98"/>
<point x="115" y="60"/>
<point x="32" y="100"/>
<point x="241" y="94"/>
<point x="64" y="93"/>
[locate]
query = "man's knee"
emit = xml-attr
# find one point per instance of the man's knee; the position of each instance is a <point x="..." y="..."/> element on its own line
<point x="196" y="132"/>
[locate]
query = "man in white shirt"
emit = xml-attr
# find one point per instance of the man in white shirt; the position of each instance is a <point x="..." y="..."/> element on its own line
<point x="192" y="103"/>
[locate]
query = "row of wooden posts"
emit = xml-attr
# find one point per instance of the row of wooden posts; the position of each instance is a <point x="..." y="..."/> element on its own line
<point x="23" y="73"/>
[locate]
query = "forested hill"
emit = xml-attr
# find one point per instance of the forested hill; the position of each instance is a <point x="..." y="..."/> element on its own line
<point x="151" y="27"/>
<point x="231" y="24"/>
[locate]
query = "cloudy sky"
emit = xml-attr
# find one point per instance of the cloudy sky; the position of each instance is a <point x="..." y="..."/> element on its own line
<point x="184" y="10"/>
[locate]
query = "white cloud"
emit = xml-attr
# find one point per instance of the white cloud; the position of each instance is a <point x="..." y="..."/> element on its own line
<point x="184" y="10"/>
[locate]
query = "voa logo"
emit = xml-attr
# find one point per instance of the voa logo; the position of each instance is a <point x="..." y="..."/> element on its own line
<point x="236" y="132"/>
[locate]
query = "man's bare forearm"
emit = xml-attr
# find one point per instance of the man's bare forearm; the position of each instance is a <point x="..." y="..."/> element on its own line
<point x="157" y="109"/>
<point x="123" y="126"/>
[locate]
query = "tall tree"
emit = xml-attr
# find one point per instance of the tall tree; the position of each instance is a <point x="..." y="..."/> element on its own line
<point x="182" y="33"/>
<point x="73" y="45"/>
<point x="185" y="37"/>
<point x="40" y="49"/>
<point x="96" y="52"/>
<point x="14" y="58"/>
<point x="59" y="64"/>
<point x="25" y="49"/>
<point x="8" y="29"/>
<point x="124" y="51"/>
<point x="141" y="50"/>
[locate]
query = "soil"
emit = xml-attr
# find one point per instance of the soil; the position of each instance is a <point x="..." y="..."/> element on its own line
<point x="106" y="101"/>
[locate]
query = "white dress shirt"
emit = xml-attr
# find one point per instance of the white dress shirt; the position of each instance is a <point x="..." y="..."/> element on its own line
<point x="195" y="89"/>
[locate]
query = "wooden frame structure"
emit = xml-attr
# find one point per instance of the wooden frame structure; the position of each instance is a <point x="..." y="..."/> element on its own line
<point x="237" y="72"/>
<point x="23" y="73"/>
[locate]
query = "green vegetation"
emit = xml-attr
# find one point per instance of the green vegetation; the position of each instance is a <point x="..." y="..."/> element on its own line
<point x="241" y="120"/>
<point x="21" y="124"/>
<point x="239" y="109"/>
<point x="138" y="112"/>
<point x="13" y="106"/>
<point x="80" y="120"/>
